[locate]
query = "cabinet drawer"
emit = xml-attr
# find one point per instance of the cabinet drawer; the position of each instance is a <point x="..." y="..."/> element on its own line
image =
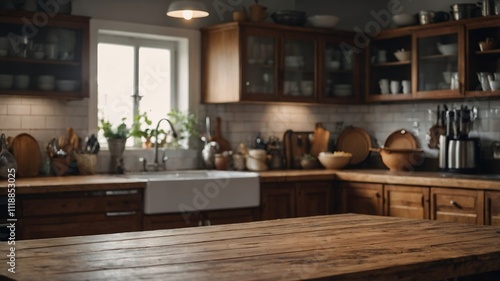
<point x="82" y="202"/>
<point x="457" y="205"/>
<point x="492" y="207"/>
<point x="406" y="201"/>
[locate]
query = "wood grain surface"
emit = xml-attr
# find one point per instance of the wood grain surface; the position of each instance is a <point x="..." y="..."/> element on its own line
<point x="224" y="144"/>
<point x="320" y="141"/>
<point x="340" y="247"/>
<point x="27" y="153"/>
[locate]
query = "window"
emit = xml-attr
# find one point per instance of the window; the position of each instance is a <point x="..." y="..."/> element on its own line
<point x="135" y="75"/>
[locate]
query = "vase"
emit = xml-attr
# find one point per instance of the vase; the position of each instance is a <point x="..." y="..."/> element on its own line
<point x="116" y="148"/>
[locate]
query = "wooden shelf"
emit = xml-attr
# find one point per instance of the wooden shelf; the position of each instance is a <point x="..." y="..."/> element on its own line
<point x="39" y="61"/>
<point x="389" y="97"/>
<point x="392" y="63"/>
<point x="439" y="56"/>
<point x="75" y="95"/>
<point x="494" y="51"/>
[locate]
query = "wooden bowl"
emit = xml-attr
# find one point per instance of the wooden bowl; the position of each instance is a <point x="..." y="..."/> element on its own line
<point x="401" y="159"/>
<point x="334" y="161"/>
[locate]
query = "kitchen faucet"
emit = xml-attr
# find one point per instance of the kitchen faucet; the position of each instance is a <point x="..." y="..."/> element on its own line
<point x="155" y="164"/>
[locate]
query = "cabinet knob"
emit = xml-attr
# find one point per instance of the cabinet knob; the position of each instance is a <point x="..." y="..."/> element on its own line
<point x="453" y="203"/>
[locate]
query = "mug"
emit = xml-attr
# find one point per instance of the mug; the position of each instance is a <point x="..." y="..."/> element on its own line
<point x="382" y="56"/>
<point x="384" y="86"/>
<point x="454" y="85"/>
<point x="394" y="87"/>
<point x="406" y="86"/>
<point x="51" y="51"/>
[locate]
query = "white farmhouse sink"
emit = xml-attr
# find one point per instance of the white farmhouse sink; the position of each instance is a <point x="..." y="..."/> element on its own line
<point x="199" y="190"/>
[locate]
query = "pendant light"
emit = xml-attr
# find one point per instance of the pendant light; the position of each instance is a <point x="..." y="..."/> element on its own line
<point x="187" y="9"/>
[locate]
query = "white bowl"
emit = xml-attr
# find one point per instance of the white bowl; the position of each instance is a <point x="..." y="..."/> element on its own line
<point x="323" y="21"/>
<point x="6" y="81"/>
<point x="46" y="79"/>
<point x="334" y="160"/>
<point x="67" y="85"/>
<point x="448" y="49"/>
<point x="334" y="65"/>
<point x="402" y="55"/>
<point x="21" y="82"/>
<point x="404" y="19"/>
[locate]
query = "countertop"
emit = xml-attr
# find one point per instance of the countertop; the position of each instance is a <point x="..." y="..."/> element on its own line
<point x="110" y="182"/>
<point x="340" y="247"/>
<point x="72" y="183"/>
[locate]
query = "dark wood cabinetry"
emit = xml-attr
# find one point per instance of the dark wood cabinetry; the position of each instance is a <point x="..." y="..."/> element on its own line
<point x="56" y="47"/>
<point x="457" y="205"/>
<point x="243" y="61"/>
<point x="205" y="218"/>
<point x="492" y="207"/>
<point x="362" y="198"/>
<point x="80" y="213"/>
<point x="299" y="199"/>
<point x="406" y="201"/>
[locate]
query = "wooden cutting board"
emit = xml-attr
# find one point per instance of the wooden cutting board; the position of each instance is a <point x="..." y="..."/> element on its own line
<point x="27" y="153"/>
<point x="224" y="144"/>
<point x="320" y="141"/>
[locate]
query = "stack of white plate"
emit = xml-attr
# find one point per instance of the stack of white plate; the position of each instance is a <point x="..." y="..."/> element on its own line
<point x="342" y="90"/>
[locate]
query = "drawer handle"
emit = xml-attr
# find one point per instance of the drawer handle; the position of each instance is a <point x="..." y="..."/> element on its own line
<point x="121" y="192"/>
<point x="453" y="203"/>
<point x="118" y="214"/>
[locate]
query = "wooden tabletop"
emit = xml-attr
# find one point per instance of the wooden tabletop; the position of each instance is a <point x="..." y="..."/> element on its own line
<point x="346" y="247"/>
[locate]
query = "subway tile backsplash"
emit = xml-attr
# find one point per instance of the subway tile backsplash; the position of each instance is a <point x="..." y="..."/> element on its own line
<point x="46" y="118"/>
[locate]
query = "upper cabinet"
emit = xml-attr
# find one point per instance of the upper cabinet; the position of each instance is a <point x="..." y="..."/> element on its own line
<point x="44" y="55"/>
<point x="445" y="61"/>
<point x="245" y="62"/>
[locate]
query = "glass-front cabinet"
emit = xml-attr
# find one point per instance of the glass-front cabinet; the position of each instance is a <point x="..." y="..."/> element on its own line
<point x="298" y="68"/>
<point x="338" y="80"/>
<point x="260" y="65"/>
<point x="389" y="67"/>
<point x="440" y="54"/>
<point x="49" y="60"/>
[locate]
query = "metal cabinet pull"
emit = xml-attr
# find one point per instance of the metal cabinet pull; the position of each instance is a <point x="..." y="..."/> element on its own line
<point x="453" y="203"/>
<point x="121" y="192"/>
<point x="118" y="214"/>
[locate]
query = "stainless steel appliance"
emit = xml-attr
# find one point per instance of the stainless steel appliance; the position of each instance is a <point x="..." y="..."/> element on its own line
<point x="457" y="151"/>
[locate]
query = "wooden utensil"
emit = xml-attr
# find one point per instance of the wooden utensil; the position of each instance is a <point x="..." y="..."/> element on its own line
<point x="356" y="141"/>
<point x="320" y="141"/>
<point x="224" y="144"/>
<point x="27" y="153"/>
<point x="436" y="130"/>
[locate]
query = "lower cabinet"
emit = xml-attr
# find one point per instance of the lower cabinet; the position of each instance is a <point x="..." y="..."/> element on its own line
<point x="296" y="199"/>
<point x="406" y="201"/>
<point x="492" y="214"/>
<point x="205" y="218"/>
<point x="79" y="213"/>
<point x="457" y="205"/>
<point x="362" y="198"/>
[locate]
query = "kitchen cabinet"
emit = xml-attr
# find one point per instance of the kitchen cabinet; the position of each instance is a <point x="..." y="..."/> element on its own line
<point x="296" y="199"/>
<point x="492" y="207"/>
<point x="457" y="205"/>
<point x="204" y="218"/>
<point x="406" y="201"/>
<point x="46" y="56"/>
<point x="362" y="198"/>
<point x="79" y="213"/>
<point x="249" y="62"/>
<point x="383" y="65"/>
<point x="481" y="61"/>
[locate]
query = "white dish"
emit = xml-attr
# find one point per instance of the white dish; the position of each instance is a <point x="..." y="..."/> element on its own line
<point x="404" y="19"/>
<point x="448" y="49"/>
<point x="67" y="85"/>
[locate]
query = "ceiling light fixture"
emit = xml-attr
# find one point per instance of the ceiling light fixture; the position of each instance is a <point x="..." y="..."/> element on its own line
<point x="187" y="9"/>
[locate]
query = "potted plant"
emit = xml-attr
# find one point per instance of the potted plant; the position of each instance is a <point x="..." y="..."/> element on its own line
<point x="116" y="136"/>
<point x="144" y="134"/>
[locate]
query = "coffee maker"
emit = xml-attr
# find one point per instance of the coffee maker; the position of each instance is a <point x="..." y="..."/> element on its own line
<point x="457" y="151"/>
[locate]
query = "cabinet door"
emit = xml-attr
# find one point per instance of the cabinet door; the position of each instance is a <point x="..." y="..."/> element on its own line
<point x="492" y="215"/>
<point x="362" y="198"/>
<point x="457" y="205"/>
<point x="440" y="54"/>
<point x="314" y="198"/>
<point x="406" y="201"/>
<point x="299" y="68"/>
<point x="383" y="68"/>
<point x="231" y="216"/>
<point x="277" y="201"/>
<point x="50" y="60"/>
<point x="259" y="63"/>
<point x="339" y="73"/>
<point x="170" y="221"/>
<point x="484" y="60"/>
